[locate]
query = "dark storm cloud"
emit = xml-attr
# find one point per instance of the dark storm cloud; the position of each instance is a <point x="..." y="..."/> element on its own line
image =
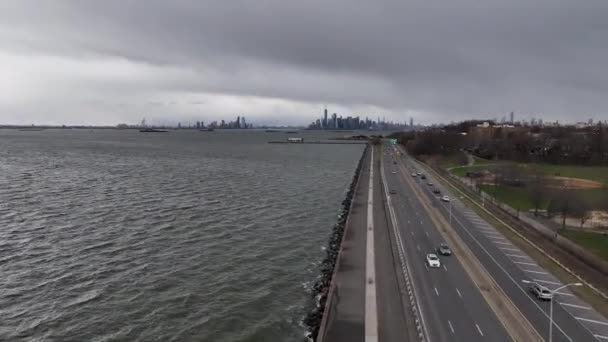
<point x="445" y="60"/>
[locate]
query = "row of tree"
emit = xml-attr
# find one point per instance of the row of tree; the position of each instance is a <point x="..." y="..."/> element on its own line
<point x="561" y="144"/>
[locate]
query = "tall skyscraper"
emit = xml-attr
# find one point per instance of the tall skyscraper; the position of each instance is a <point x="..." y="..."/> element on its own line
<point x="411" y="122"/>
<point x="512" y="118"/>
<point x="325" y="119"/>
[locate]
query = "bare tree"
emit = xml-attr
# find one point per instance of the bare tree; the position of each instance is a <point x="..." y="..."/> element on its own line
<point x="538" y="190"/>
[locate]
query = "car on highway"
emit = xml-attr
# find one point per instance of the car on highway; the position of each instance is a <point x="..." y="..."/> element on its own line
<point x="414" y="174"/>
<point x="395" y="162"/>
<point x="418" y="173"/>
<point x="445" y="198"/>
<point x="393" y="191"/>
<point x="541" y="292"/>
<point x="429" y="183"/>
<point x="432" y="260"/>
<point x="436" y="191"/>
<point x="394" y="172"/>
<point x="423" y="177"/>
<point x="444" y="249"/>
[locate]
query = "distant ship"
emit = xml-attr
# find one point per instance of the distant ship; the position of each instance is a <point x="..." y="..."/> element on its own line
<point x="206" y="129"/>
<point x="152" y="130"/>
<point x="31" y="129"/>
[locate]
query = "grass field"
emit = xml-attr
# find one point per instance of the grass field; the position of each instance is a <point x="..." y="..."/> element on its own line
<point x="519" y="198"/>
<point x="596" y="243"/>
<point x="595" y="173"/>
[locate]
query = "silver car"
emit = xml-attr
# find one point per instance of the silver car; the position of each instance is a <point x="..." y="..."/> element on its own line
<point x="541" y="292"/>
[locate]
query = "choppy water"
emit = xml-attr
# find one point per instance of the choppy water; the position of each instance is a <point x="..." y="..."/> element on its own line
<point x="184" y="236"/>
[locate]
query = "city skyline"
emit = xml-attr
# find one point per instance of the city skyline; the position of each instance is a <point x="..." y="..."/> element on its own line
<point x="191" y="61"/>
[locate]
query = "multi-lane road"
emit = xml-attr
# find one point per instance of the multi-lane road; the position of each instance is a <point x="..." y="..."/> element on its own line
<point x="503" y="261"/>
<point x="384" y="290"/>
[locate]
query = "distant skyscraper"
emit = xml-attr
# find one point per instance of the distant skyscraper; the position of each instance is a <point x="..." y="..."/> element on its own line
<point x="334" y="119"/>
<point x="411" y="122"/>
<point x="238" y="122"/>
<point x="325" y="119"/>
<point x="512" y="118"/>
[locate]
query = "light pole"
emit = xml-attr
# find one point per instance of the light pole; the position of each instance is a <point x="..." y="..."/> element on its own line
<point x="553" y="292"/>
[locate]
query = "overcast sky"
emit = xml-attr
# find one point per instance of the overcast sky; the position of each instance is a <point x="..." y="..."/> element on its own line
<point x="282" y="61"/>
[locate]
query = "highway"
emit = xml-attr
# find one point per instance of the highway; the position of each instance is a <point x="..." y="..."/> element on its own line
<point x="451" y="304"/>
<point x="506" y="264"/>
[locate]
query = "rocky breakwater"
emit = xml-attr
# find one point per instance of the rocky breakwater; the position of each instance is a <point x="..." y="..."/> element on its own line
<point x="321" y="288"/>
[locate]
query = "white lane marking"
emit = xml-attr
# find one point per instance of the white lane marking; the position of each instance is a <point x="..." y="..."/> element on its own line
<point x="459" y="295"/>
<point x="371" y="313"/>
<point x="525" y="263"/>
<point x="565" y="294"/>
<point x="418" y="247"/>
<point x="601" y="337"/>
<point x="427" y="234"/>
<point x="479" y="329"/>
<point x="538" y="272"/>
<point x="412" y="233"/>
<point x="437" y="292"/>
<point x="576" y="306"/>
<point x="425" y="266"/>
<point x="502" y="243"/>
<point x="591" y="320"/>
<point x="444" y="268"/>
<point x="517" y="256"/>
<point x="491" y="233"/>
<point x="509" y="249"/>
<point x="451" y="327"/>
<point x="546" y="281"/>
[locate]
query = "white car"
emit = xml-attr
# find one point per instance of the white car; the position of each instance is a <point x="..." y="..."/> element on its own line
<point x="432" y="260"/>
<point x="445" y="198"/>
<point x="394" y="172"/>
<point x="414" y="174"/>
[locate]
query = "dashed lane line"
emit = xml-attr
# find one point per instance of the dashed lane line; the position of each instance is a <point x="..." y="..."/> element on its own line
<point x="517" y="256"/>
<point x="502" y="243"/>
<point x="525" y="263"/>
<point x="479" y="329"/>
<point x="451" y="327"/>
<point x="537" y="272"/>
<point x="546" y="281"/>
<point x="601" y="337"/>
<point x="591" y="320"/>
<point x="459" y="295"/>
<point x="436" y="292"/>
<point x="575" y="306"/>
<point x="509" y="249"/>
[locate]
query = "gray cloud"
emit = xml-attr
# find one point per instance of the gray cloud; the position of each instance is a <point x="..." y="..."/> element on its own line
<point x="271" y="58"/>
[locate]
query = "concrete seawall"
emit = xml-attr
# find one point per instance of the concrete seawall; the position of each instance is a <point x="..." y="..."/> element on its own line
<point x="324" y="290"/>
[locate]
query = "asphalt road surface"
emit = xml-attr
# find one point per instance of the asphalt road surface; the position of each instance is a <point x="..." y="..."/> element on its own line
<point x="574" y="320"/>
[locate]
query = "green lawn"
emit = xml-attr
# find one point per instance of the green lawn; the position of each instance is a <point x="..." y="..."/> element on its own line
<point x="481" y="161"/>
<point x="452" y="160"/>
<point x="596" y="173"/>
<point x="596" y="243"/>
<point x="519" y="198"/>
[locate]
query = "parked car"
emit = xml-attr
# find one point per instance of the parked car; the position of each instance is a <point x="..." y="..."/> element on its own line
<point x="444" y="249"/>
<point x="432" y="260"/>
<point x="541" y="292"/>
<point x="445" y="198"/>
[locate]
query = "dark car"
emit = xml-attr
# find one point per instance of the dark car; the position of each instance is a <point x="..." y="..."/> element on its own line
<point x="436" y="191"/>
<point x="423" y="177"/>
<point x="393" y="192"/>
<point x="444" y="249"/>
